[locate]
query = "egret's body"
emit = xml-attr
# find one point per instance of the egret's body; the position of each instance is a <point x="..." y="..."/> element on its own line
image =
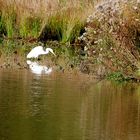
<point x="37" y="51"/>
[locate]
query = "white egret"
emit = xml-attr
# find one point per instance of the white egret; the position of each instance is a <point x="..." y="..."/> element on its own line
<point x="35" y="52"/>
<point x="38" y="69"/>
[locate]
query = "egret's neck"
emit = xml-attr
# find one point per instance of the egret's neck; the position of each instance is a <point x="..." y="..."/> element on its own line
<point x="47" y="51"/>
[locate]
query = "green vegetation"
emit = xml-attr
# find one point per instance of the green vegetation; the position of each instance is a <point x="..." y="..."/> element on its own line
<point x="61" y="20"/>
<point x="118" y="76"/>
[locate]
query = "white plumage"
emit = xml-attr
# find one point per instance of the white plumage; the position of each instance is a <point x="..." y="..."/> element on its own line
<point x="35" y="52"/>
<point x="38" y="69"/>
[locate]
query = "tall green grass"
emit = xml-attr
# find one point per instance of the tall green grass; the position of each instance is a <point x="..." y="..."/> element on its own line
<point x="64" y="26"/>
<point x="62" y="18"/>
<point x="29" y="27"/>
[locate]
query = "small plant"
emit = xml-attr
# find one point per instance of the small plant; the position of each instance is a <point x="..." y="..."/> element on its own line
<point x="117" y="76"/>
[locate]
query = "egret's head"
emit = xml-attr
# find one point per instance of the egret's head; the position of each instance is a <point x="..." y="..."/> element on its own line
<point x="50" y="50"/>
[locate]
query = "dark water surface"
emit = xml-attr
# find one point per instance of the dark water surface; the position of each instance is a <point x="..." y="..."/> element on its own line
<point x="66" y="107"/>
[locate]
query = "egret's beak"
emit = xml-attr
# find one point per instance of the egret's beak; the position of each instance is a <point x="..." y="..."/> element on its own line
<point x="53" y="53"/>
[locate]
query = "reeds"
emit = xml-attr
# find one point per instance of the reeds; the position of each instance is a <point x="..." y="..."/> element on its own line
<point x="28" y="18"/>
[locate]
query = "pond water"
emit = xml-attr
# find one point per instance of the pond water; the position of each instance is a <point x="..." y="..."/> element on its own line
<point x="66" y="106"/>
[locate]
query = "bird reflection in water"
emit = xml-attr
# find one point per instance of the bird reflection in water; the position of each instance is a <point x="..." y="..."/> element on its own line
<point x="38" y="69"/>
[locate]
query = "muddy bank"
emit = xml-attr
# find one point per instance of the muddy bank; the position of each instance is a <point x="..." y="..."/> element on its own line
<point x="69" y="58"/>
<point x="13" y="55"/>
